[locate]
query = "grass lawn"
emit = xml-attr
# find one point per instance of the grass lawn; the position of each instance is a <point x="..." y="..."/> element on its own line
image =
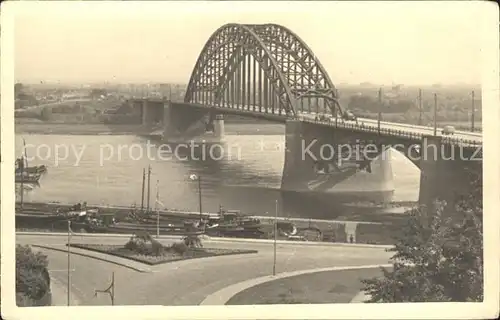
<point x="120" y="251"/>
<point x="321" y="287"/>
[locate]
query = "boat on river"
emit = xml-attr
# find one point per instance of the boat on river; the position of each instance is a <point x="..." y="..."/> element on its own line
<point x="232" y="223"/>
<point x="41" y="169"/>
<point x="26" y="174"/>
<point x="30" y="178"/>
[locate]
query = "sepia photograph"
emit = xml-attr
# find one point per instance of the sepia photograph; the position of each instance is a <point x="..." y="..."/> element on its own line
<point x="250" y="160"/>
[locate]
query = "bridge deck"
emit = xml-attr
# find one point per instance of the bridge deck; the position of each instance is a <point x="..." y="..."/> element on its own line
<point x="400" y="130"/>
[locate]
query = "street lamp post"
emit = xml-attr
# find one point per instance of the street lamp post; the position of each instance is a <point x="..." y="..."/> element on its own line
<point x="420" y="107"/>
<point x="473" y="111"/>
<point x="143" y="187"/>
<point x="149" y="186"/>
<point x="379" y="109"/>
<point x="157" y="210"/>
<point x="198" y="178"/>
<point x="21" y="170"/>
<point x="69" y="262"/>
<point x="275" y="236"/>
<point x="435" y="114"/>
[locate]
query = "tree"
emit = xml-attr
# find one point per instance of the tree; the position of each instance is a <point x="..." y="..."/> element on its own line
<point x="32" y="277"/>
<point x="46" y="113"/>
<point x="97" y="93"/>
<point x="193" y="241"/>
<point x="139" y="243"/>
<point x="18" y="89"/>
<point x="436" y="258"/>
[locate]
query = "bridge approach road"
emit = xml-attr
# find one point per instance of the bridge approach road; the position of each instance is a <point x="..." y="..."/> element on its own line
<point x="188" y="282"/>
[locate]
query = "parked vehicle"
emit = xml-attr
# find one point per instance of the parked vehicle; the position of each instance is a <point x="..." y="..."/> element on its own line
<point x="448" y="130"/>
<point x="348" y="115"/>
<point x="297" y="238"/>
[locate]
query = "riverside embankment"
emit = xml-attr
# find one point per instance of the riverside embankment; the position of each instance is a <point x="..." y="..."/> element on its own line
<point x="44" y="217"/>
<point x="78" y="128"/>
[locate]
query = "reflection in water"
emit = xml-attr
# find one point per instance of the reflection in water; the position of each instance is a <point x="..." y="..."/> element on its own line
<point x="108" y="170"/>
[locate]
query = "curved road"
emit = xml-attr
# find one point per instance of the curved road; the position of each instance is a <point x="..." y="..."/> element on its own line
<point x="189" y="282"/>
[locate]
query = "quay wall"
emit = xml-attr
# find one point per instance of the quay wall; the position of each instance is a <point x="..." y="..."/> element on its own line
<point x="330" y="230"/>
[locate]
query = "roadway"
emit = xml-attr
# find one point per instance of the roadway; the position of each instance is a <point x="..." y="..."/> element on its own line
<point x="53" y="104"/>
<point x="476" y="137"/>
<point x="189" y="282"/>
<point x="422" y="130"/>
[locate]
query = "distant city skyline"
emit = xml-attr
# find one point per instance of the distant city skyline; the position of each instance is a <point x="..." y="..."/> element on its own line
<point x="409" y="43"/>
<point x="342" y="84"/>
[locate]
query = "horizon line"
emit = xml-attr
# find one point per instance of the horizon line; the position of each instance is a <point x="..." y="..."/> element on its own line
<point x="157" y="82"/>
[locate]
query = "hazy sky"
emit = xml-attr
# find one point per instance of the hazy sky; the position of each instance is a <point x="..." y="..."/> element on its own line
<point x="391" y="42"/>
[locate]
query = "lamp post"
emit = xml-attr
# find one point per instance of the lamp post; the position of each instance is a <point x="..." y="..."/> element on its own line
<point x="435" y="113"/>
<point x="419" y="107"/>
<point x="194" y="177"/>
<point x="379" y="118"/>
<point x="473" y="111"/>
<point x="275" y="236"/>
<point x="69" y="262"/>
<point x="157" y="210"/>
<point x="143" y="187"/>
<point x="149" y="186"/>
<point x="21" y="170"/>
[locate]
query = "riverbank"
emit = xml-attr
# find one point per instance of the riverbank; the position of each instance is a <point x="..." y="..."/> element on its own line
<point x="76" y="128"/>
<point x="123" y="211"/>
<point x="57" y="128"/>
<point x="43" y="216"/>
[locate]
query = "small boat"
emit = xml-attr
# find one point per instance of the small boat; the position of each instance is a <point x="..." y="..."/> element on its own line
<point x="232" y="223"/>
<point x="27" y="178"/>
<point x="33" y="170"/>
<point x="23" y="167"/>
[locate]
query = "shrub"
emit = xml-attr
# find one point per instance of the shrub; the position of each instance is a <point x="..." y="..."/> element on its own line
<point x="24" y="301"/>
<point x="156" y="248"/>
<point x="32" y="277"/>
<point x="143" y="235"/>
<point x="179" y="248"/>
<point x="192" y="241"/>
<point x="139" y="243"/>
<point x="131" y="245"/>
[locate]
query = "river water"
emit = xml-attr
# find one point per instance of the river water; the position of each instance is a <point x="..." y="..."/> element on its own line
<point x="247" y="178"/>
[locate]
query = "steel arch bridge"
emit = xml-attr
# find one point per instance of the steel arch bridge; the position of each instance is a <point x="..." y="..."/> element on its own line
<point x="264" y="68"/>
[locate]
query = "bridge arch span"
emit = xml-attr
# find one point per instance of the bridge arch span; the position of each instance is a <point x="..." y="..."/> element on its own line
<point x="261" y="67"/>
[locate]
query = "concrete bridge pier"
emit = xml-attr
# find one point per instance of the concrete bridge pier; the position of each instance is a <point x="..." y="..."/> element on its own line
<point x="167" y="127"/>
<point x="144" y="112"/>
<point x="446" y="173"/>
<point x="183" y="124"/>
<point x="312" y="165"/>
<point x="296" y="170"/>
<point x="218" y="123"/>
<point x="152" y="111"/>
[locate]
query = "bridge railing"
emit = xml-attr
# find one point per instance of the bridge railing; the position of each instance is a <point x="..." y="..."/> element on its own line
<point x="362" y="127"/>
<point x="405" y="134"/>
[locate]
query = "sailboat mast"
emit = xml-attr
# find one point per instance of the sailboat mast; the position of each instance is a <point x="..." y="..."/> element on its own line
<point x="157" y="210"/>
<point x="149" y="187"/>
<point x="25" y="153"/>
<point x="143" y="186"/>
<point x="21" y="165"/>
